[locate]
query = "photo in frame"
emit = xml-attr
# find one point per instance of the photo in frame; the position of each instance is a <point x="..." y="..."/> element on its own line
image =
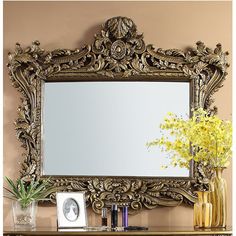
<point x="71" y="210"/>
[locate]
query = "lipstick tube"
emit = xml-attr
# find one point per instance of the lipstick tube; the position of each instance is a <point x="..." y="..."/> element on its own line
<point x="114" y="216"/>
<point x="125" y="216"/>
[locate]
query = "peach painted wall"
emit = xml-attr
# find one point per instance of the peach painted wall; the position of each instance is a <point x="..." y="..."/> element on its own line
<point x="72" y="24"/>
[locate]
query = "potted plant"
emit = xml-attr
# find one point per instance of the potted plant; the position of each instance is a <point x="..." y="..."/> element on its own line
<point x="25" y="195"/>
<point x="211" y="144"/>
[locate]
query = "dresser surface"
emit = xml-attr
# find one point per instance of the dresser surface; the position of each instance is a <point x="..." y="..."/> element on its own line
<point x="170" y="231"/>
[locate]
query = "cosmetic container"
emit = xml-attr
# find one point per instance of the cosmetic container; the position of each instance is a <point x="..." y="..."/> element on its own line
<point x="125" y="216"/>
<point x="114" y="216"/>
<point x="104" y="216"/>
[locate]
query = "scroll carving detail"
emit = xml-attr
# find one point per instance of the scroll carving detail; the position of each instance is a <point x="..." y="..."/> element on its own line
<point x="117" y="53"/>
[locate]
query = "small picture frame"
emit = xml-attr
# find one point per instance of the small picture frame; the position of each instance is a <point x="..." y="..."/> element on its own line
<point x="71" y="210"/>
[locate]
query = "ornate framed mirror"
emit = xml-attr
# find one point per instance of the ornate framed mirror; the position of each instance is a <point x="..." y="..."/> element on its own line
<point x="64" y="91"/>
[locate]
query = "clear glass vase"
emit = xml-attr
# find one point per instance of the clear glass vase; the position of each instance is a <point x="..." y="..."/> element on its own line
<point x="24" y="217"/>
<point x="218" y="198"/>
<point x="202" y="210"/>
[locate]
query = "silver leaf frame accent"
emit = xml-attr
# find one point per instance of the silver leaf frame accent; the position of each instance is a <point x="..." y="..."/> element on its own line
<point x="117" y="53"/>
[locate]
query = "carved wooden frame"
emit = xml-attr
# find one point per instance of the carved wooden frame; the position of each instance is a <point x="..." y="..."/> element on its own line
<point x="117" y="53"/>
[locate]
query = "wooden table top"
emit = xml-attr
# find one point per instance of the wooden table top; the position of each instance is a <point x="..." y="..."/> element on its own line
<point x="99" y="231"/>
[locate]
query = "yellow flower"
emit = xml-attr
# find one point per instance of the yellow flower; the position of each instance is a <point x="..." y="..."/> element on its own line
<point x="210" y="138"/>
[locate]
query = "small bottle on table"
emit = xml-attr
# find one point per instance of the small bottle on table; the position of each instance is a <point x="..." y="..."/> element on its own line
<point x="104" y="216"/>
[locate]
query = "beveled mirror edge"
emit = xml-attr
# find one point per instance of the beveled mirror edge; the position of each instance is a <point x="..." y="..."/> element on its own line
<point x="118" y="52"/>
<point x="100" y="79"/>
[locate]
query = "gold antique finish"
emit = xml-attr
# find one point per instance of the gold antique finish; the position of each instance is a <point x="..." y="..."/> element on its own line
<point x="117" y="53"/>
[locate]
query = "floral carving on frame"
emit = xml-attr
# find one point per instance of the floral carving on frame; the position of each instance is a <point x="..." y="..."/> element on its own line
<point x="117" y="53"/>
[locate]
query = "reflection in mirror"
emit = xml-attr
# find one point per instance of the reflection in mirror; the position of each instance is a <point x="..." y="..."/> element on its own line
<point x="101" y="128"/>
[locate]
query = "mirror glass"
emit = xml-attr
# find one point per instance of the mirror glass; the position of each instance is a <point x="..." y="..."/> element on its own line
<point x="101" y="128"/>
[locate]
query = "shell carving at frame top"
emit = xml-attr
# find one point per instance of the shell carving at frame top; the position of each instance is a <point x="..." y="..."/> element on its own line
<point x="118" y="52"/>
<point x="120" y="28"/>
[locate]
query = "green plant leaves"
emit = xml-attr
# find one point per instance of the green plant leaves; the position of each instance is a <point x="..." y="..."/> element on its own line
<point x="27" y="192"/>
